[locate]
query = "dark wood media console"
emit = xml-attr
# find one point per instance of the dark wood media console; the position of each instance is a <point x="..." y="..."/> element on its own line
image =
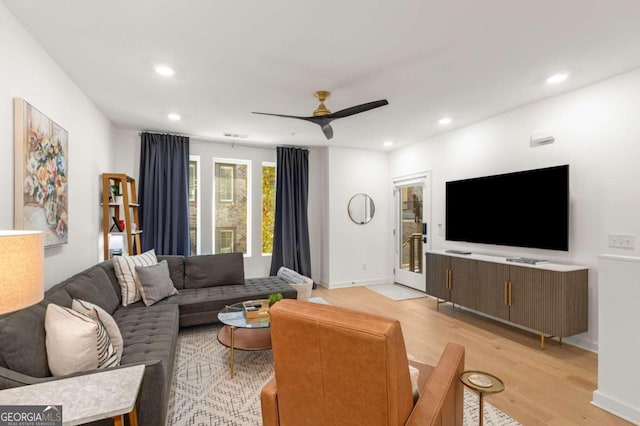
<point x="549" y="298"/>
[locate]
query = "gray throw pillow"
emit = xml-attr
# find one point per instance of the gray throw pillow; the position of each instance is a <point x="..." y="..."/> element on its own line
<point x="156" y="282"/>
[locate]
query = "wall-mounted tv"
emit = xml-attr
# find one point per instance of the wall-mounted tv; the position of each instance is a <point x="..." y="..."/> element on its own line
<point x="523" y="209"/>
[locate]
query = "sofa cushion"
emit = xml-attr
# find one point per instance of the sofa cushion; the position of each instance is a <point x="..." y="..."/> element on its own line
<point x="59" y="295"/>
<point x="125" y="267"/>
<point x="109" y="269"/>
<point x="155" y="282"/>
<point x="76" y="342"/>
<point x="26" y="353"/>
<point x="214" y="299"/>
<point x="96" y="312"/>
<point x="149" y="333"/>
<point x="92" y="285"/>
<point x="214" y="270"/>
<point x="176" y="269"/>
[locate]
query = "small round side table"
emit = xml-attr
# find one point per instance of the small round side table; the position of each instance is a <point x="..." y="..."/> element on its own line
<point x="481" y="382"/>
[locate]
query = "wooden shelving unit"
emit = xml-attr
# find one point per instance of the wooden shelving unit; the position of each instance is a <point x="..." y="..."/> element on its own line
<point x="130" y="211"/>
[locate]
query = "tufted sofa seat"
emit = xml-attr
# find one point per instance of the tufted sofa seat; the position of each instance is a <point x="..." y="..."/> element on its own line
<point x="205" y="285"/>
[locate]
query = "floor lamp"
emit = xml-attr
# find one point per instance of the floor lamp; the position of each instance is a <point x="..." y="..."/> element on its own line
<point x="21" y="269"/>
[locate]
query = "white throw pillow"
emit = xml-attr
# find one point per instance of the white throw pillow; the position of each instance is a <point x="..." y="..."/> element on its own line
<point x="302" y="284"/>
<point x="76" y="342"/>
<point x="125" y="268"/>
<point x="303" y="289"/>
<point x="414" y="374"/>
<point x="96" y="312"/>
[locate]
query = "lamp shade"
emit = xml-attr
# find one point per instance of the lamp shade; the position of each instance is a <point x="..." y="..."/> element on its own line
<point x="21" y="269"/>
<point x="116" y="241"/>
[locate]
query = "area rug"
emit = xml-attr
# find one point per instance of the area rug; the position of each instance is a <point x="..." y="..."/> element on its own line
<point x="202" y="393"/>
<point x="396" y="292"/>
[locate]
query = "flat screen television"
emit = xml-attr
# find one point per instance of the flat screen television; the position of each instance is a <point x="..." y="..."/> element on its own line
<point x="522" y="209"/>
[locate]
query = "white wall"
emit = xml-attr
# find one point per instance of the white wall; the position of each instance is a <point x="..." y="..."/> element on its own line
<point x="357" y="254"/>
<point x="318" y="211"/>
<point x="597" y="132"/>
<point x="619" y="336"/>
<point x="28" y="72"/>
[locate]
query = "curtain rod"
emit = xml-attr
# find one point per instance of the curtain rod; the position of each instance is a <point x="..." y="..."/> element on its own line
<point x="233" y="143"/>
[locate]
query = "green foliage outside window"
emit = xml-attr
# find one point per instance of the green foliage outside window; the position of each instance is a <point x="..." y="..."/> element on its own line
<point x="268" y="207"/>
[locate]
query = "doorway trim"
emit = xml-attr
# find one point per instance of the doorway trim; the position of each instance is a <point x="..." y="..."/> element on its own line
<point x="425" y="177"/>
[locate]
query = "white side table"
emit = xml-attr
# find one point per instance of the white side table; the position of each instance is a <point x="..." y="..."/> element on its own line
<point x="100" y="395"/>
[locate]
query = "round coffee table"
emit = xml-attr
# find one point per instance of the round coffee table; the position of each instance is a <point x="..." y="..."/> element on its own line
<point x="482" y="382"/>
<point x="242" y="333"/>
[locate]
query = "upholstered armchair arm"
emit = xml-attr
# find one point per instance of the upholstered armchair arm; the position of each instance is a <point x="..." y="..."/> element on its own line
<point x="269" y="402"/>
<point x="441" y="398"/>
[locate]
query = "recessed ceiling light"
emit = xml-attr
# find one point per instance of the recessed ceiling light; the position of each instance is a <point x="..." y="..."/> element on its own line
<point x="444" y="121"/>
<point x="388" y="143"/>
<point x="557" y="78"/>
<point x="173" y="116"/>
<point x="164" y="70"/>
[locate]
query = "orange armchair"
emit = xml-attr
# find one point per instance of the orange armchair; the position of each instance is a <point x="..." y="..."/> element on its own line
<point x="336" y="366"/>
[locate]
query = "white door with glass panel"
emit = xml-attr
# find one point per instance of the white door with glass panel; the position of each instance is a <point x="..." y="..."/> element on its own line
<point x="412" y="211"/>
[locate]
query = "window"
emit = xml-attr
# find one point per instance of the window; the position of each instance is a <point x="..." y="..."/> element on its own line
<point x="194" y="204"/>
<point x="226" y="241"/>
<point x="268" y="206"/>
<point x="193" y="180"/>
<point x="224" y="174"/>
<point x="232" y="206"/>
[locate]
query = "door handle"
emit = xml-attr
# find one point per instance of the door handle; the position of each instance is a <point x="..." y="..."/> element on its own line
<point x="509" y="293"/>
<point x="506" y="292"/>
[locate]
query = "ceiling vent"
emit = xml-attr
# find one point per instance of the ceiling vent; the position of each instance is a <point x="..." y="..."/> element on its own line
<point x="235" y="135"/>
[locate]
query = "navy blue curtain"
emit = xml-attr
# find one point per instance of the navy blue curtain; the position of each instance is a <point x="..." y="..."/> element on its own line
<point x="291" y="228"/>
<point x="163" y="193"/>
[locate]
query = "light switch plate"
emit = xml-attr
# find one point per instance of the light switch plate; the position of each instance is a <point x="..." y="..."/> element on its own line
<point x="627" y="241"/>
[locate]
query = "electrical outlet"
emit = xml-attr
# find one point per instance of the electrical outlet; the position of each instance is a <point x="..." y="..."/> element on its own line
<point x="364" y="266"/>
<point x="627" y="241"/>
<point x="440" y="230"/>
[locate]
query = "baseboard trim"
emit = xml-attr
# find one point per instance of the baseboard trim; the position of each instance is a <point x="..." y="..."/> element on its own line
<point x="582" y="343"/>
<point x="344" y="284"/>
<point x="617" y="407"/>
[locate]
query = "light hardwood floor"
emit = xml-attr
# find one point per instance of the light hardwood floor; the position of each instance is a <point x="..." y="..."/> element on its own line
<point x="543" y="387"/>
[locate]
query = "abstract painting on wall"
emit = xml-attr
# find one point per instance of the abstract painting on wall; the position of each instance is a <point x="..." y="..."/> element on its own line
<point x="41" y="174"/>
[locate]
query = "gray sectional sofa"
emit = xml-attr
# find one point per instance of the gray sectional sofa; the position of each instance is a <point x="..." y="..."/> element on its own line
<point x="205" y="285"/>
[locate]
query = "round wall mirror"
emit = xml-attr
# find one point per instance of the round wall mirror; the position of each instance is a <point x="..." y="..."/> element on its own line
<point x="361" y="209"/>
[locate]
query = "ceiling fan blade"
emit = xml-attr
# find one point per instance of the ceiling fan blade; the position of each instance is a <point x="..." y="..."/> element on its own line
<point x="324" y="121"/>
<point x="282" y="115"/>
<point x="327" y="130"/>
<point x="357" y="109"/>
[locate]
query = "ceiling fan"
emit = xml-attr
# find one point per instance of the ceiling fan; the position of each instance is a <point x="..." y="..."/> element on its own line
<point x="323" y="117"/>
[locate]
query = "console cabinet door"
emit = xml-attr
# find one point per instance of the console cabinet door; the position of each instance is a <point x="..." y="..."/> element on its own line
<point x="464" y="289"/>
<point x="437" y="270"/>
<point x="536" y="299"/>
<point x="493" y="279"/>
